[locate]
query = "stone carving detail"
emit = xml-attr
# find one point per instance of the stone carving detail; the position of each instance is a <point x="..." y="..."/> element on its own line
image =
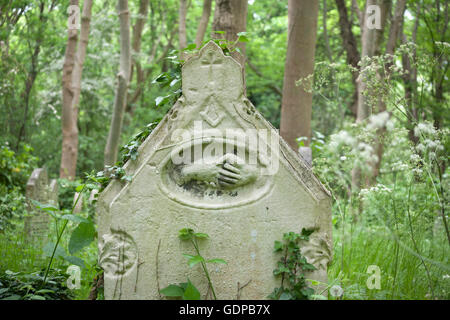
<point x="318" y="251"/>
<point x="212" y="114"/>
<point x="118" y="253"/>
<point x="218" y="180"/>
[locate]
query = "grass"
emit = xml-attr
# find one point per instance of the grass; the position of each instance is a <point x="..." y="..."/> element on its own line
<point x="18" y="254"/>
<point x="403" y="274"/>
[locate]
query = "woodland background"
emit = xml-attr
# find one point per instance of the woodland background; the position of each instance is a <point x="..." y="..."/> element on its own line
<point x="371" y="103"/>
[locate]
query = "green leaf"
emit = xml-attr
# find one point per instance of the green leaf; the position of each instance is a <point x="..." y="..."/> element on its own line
<point x="82" y="236"/>
<point x="195" y="260"/>
<point x="12" y="297"/>
<point x="190" y="47"/>
<point x="36" y="297"/>
<point x="191" y="292"/>
<point x="44" y="206"/>
<point x="79" y="188"/>
<point x="243" y="39"/>
<point x="173" y="291"/>
<point x="307" y="232"/>
<point x="186" y="234"/>
<point x="49" y="247"/>
<point x="75" y="218"/>
<point x="45" y="291"/>
<point x="286" y="296"/>
<point x="76" y="261"/>
<point x="201" y="235"/>
<point x="217" y="261"/>
<point x="278" y="246"/>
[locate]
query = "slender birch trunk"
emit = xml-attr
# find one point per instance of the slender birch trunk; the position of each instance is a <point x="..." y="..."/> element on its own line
<point x="123" y="77"/>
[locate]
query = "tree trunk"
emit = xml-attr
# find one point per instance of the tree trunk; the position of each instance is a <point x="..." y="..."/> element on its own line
<point x="370" y="40"/>
<point x="394" y="33"/>
<point x="136" y="50"/>
<point x="351" y="49"/>
<point x="297" y="102"/>
<point x="69" y="131"/>
<point x="112" y="144"/>
<point x="203" y="24"/>
<point x="182" y="26"/>
<point x="72" y="141"/>
<point x="230" y="16"/>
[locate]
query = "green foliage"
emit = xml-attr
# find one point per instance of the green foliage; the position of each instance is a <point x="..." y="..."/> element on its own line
<point x="28" y="286"/>
<point x="187" y="291"/>
<point x="292" y="267"/>
<point x="15" y="170"/>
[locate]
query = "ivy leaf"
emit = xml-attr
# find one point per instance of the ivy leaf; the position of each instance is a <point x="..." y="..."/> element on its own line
<point x="307" y="232"/>
<point x="161" y="100"/>
<point x="190" y="47"/>
<point x="278" y="246"/>
<point x="173" y="291"/>
<point x="82" y="236"/>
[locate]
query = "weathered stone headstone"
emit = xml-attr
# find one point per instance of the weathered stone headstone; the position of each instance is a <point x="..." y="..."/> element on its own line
<point x="38" y="188"/>
<point x="216" y="165"/>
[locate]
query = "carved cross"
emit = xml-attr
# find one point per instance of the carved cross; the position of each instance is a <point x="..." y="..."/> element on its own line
<point x="210" y="61"/>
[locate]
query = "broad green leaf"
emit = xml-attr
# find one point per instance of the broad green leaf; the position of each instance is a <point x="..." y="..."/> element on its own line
<point x="44" y="206"/>
<point x="173" y="291"/>
<point x="75" y="218"/>
<point x="82" y="236"/>
<point x="217" y="261"/>
<point x="49" y="247"/>
<point x="191" y="292"/>
<point x="76" y="261"/>
<point x="79" y="188"/>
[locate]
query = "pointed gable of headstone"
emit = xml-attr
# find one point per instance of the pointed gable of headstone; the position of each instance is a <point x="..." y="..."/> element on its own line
<point x="216" y="165"/>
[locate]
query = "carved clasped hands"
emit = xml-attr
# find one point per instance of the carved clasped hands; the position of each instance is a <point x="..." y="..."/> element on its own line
<point x="228" y="171"/>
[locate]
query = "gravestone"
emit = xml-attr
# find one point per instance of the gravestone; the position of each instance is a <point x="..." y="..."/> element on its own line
<point x="39" y="189"/>
<point x="215" y="165"/>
